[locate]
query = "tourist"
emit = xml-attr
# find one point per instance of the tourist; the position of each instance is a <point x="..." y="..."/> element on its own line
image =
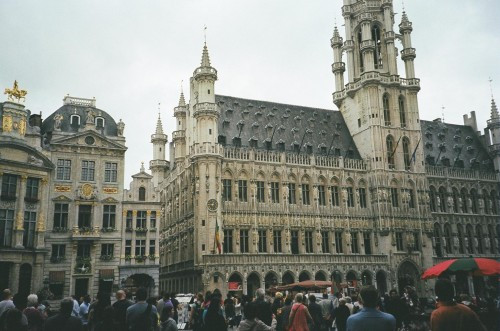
<point x="154" y="301"/>
<point x="395" y="306"/>
<point x="229" y="309"/>
<point x="276" y="308"/>
<point x="213" y="320"/>
<point x="341" y="314"/>
<point x="449" y="315"/>
<point x="299" y="315"/>
<point x="196" y="313"/>
<point x="285" y="314"/>
<point x="264" y="312"/>
<point x="175" y="303"/>
<point x="237" y="311"/>
<point x="96" y="309"/>
<point x="107" y="323"/>
<point x="34" y="316"/>
<point x="369" y="318"/>
<point x="83" y="313"/>
<point x="348" y="303"/>
<point x="76" y="306"/>
<point x="120" y="309"/>
<point x="6" y="302"/>
<point x="326" y="311"/>
<point x="161" y="303"/>
<point x="167" y="321"/>
<point x="13" y="320"/>
<point x="252" y="321"/>
<point x="63" y="321"/>
<point x="315" y="311"/>
<point x="141" y="316"/>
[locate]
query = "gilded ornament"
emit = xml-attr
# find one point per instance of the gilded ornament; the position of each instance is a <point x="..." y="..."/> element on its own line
<point x="86" y="190"/>
<point x="15" y="93"/>
<point x="7" y="123"/>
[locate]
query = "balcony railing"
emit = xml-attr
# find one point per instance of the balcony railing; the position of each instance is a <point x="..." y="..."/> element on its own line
<point x="436" y="171"/>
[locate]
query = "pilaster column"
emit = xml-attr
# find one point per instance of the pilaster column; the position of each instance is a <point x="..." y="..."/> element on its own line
<point x="40" y="225"/>
<point x="19" y="228"/>
<point x="14" y="277"/>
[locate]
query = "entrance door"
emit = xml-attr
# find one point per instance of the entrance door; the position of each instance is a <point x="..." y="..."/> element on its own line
<point x="408" y="275"/>
<point x="81" y="287"/>
<point x="4" y="274"/>
<point x="25" y="279"/>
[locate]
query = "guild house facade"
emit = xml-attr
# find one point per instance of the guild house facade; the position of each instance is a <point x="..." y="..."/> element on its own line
<point x="258" y="193"/>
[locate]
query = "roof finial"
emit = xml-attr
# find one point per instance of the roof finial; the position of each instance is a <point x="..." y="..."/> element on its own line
<point x="159" y="103"/>
<point x="205" y="34"/>
<point x="159" y="126"/>
<point x="491" y="87"/>
<point x="142" y="167"/>
<point x="403" y="4"/>
<point x="182" y="101"/>
<point x="442" y="112"/>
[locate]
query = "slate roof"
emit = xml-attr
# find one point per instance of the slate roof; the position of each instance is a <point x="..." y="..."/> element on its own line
<point x="254" y="122"/>
<point x="444" y="142"/>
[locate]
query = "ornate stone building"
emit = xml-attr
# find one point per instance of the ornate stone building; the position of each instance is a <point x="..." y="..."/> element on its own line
<point x="83" y="237"/>
<point x="25" y="170"/>
<point x="365" y="194"/>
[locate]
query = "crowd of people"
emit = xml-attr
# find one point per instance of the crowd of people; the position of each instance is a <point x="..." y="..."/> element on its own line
<point x="361" y="310"/>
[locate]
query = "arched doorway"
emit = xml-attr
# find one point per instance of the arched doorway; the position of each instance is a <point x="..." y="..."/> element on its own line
<point x="304" y="276"/>
<point x="25" y="279"/>
<point x="381" y="282"/>
<point x="253" y="283"/>
<point x="408" y="275"/>
<point x="135" y="281"/>
<point x="270" y="280"/>
<point x="4" y="274"/>
<point x="287" y="278"/>
<point x="351" y="279"/>
<point x="235" y="283"/>
<point x="366" y="278"/>
<point x="320" y="275"/>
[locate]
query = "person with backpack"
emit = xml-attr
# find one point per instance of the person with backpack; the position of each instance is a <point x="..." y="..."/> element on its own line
<point x="64" y="321"/>
<point x="196" y="316"/>
<point x="141" y="316"/>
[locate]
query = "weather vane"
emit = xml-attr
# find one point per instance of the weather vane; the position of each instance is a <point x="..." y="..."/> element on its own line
<point x="442" y="112"/>
<point x="205" y="33"/>
<point x="491" y="87"/>
<point x="159" y="104"/>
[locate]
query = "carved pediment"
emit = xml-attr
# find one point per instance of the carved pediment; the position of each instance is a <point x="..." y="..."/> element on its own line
<point x="110" y="200"/>
<point x="88" y="138"/>
<point x="62" y="198"/>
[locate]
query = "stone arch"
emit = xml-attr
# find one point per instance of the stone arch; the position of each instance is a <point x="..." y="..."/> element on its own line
<point x="305" y="179"/>
<point x="304" y="275"/>
<point x="349" y="181"/>
<point x="253" y="283"/>
<point x="287" y="278"/>
<point x="261" y="176"/>
<point x="275" y="176"/>
<point x="235" y="281"/>
<point x="228" y="173"/>
<point x="408" y="275"/>
<point x="351" y="275"/>
<point x="336" y="276"/>
<point x="320" y="275"/>
<point x="242" y="173"/>
<point x="362" y="182"/>
<point x="133" y="282"/>
<point x="292" y="178"/>
<point x="25" y="273"/>
<point x="366" y="278"/>
<point x="271" y="279"/>
<point x="335" y="181"/>
<point x="322" y="180"/>
<point x="381" y="281"/>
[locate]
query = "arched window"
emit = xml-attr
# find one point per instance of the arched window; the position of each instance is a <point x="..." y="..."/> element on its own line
<point x="494" y="202"/>
<point x="442" y="199"/>
<point x="432" y="199"/>
<point x="455" y="200"/>
<point x="377" y="58"/>
<point x="406" y="152"/>
<point x="473" y="198"/>
<point x="461" y="239"/>
<point x="75" y="120"/>
<point x="486" y="202"/>
<point x="463" y="197"/>
<point x="479" y="236"/>
<point x="437" y="240"/>
<point x="361" y="64"/>
<point x="387" y="112"/>
<point x="389" y="141"/>
<point x="142" y="193"/>
<point x="491" y="235"/>
<point x="447" y="238"/>
<point x="470" y="239"/>
<point x="402" y="111"/>
<point x="99" y="122"/>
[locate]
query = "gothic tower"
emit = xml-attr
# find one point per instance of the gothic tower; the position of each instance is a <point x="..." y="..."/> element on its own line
<point x="158" y="164"/>
<point x="179" y="135"/>
<point x="493" y="129"/>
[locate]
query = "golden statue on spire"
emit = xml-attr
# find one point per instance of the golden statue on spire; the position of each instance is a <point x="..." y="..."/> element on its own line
<point x="15" y="93"/>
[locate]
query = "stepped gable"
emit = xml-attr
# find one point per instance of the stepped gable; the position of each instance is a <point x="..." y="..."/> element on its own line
<point x="255" y="121"/>
<point x="444" y="143"/>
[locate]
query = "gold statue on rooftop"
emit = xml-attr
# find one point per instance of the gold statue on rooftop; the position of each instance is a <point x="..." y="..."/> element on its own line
<point x="15" y="93"/>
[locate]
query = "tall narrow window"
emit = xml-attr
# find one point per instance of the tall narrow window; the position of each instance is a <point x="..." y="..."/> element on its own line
<point x="438" y="248"/>
<point x="242" y="191"/>
<point x="295" y="242"/>
<point x="140" y="247"/>
<point x="108" y="217"/>
<point x="402" y="111"/>
<point x="470" y="240"/>
<point x="432" y="199"/>
<point x="61" y="216"/>
<point x="6" y="224"/>
<point x="305" y="194"/>
<point x="292" y="199"/>
<point x="262" y="241"/>
<point x="128" y="248"/>
<point x="309" y="241"/>
<point x="275" y="192"/>
<point x="325" y="241"/>
<point x="29" y="229"/>
<point x="406" y="153"/>
<point x="111" y="172"/>
<point x="334" y="191"/>
<point x="128" y="220"/>
<point x="455" y="196"/>
<point x="260" y="192"/>
<point x="387" y="112"/>
<point x="9" y="187"/>
<point x="277" y="241"/>
<point x="479" y="237"/>
<point x="142" y="193"/>
<point x="32" y="189"/>
<point x="84" y="216"/>
<point x="447" y="239"/>
<point x="338" y="242"/>
<point x="494" y="202"/>
<point x="411" y="200"/>
<point x="377" y="58"/>
<point x="243" y="241"/>
<point x="399" y="241"/>
<point x="350" y="196"/>
<point x="152" y="220"/>
<point x="394" y="197"/>
<point x="140" y="221"/>
<point x="226" y="190"/>
<point x="473" y="198"/>
<point x="463" y="196"/>
<point x="228" y="241"/>
<point x="361" y="63"/>
<point x="63" y="171"/>
<point x="442" y="199"/>
<point x="354" y="243"/>
<point x="389" y="141"/>
<point x="152" y="247"/>
<point x="367" y="243"/>
<point x="88" y="170"/>
<point x="362" y="197"/>
<point x="461" y="239"/>
<point x="321" y="195"/>
<point x="491" y="238"/>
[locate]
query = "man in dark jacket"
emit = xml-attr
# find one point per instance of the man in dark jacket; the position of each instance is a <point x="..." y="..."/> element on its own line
<point x="264" y="312"/>
<point x="64" y="321"/>
<point x="396" y="307"/>
<point x="316" y="314"/>
<point x="120" y="310"/>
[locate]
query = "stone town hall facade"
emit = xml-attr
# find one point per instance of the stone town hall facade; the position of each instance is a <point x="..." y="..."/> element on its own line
<point x="369" y="194"/>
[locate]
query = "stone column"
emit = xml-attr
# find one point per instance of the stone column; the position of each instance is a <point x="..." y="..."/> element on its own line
<point x="19" y="226"/>
<point x="40" y="225"/>
<point x="14" y="276"/>
<point x="245" y="288"/>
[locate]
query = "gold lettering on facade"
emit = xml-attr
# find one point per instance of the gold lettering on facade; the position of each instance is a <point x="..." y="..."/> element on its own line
<point x="61" y="188"/>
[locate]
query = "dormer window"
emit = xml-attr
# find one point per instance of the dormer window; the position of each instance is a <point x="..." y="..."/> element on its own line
<point x="222" y="140"/>
<point x="142" y="193"/>
<point x="99" y="122"/>
<point x="281" y="146"/>
<point x="253" y="142"/>
<point x="237" y="142"/>
<point x="75" y="120"/>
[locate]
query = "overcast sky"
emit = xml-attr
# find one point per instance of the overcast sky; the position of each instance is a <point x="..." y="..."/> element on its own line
<point x="130" y="55"/>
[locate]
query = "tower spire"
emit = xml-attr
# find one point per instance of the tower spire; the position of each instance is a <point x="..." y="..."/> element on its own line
<point x="182" y="101"/>
<point x="205" y="58"/>
<point x="159" y="126"/>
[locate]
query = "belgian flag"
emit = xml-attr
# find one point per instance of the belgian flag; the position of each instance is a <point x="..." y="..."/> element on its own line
<point x="217" y="237"/>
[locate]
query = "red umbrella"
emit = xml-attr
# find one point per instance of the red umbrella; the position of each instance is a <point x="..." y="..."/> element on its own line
<point x="479" y="267"/>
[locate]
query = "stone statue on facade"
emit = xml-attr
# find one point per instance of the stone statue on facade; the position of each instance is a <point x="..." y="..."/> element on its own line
<point x="57" y="121"/>
<point x="456" y="242"/>
<point x="450" y="205"/>
<point x="121" y="127"/>
<point x="90" y="117"/>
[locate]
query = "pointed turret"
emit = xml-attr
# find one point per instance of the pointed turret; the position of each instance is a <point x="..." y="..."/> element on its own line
<point x="205" y="58"/>
<point x="338" y="67"/>
<point x="494" y="110"/>
<point x="182" y="101"/>
<point x="205" y="69"/>
<point x="408" y="52"/>
<point x="158" y="164"/>
<point x="159" y="126"/>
